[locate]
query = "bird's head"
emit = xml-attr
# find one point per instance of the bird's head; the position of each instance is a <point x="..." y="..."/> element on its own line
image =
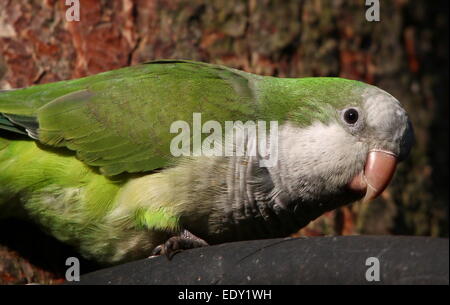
<point x="342" y="135"/>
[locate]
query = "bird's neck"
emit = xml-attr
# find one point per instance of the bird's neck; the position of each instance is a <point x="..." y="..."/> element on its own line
<point x="265" y="197"/>
<point x="249" y="202"/>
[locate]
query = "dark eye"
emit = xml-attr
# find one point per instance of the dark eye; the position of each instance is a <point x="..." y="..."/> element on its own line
<point x="351" y="116"/>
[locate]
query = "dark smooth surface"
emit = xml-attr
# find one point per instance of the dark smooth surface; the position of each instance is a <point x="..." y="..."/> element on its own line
<point x="313" y="260"/>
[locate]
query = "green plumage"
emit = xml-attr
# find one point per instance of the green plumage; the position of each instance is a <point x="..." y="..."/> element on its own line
<point x="88" y="175"/>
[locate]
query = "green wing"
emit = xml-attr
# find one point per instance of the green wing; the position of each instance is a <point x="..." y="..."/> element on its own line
<point x="120" y="120"/>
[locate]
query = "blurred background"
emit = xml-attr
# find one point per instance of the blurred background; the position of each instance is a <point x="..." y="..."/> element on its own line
<point x="405" y="53"/>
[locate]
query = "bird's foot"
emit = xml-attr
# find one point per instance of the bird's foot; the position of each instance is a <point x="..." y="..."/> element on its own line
<point x="186" y="240"/>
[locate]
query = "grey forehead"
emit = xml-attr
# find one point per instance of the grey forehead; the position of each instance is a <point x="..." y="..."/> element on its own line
<point x="383" y="110"/>
<point x="388" y="119"/>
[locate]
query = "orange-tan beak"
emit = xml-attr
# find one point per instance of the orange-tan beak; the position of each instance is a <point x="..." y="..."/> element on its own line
<point x="378" y="172"/>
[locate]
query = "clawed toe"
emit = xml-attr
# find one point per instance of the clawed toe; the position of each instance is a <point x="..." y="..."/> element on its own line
<point x="177" y="244"/>
<point x="157" y="251"/>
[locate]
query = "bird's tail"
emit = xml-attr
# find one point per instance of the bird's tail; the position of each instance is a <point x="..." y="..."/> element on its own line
<point x="13" y="123"/>
<point x="6" y="124"/>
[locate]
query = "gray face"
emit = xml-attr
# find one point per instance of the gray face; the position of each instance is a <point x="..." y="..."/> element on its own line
<point x="322" y="159"/>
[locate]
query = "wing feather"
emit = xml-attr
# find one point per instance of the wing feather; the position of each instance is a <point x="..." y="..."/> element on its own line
<point x="120" y="120"/>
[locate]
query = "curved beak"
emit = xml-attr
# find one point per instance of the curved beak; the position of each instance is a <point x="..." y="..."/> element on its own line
<point x="378" y="171"/>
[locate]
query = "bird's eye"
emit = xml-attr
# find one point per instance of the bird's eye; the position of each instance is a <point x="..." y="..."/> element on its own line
<point x="351" y="116"/>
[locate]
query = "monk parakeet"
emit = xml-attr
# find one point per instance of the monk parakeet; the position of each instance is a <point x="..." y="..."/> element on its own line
<point x="92" y="160"/>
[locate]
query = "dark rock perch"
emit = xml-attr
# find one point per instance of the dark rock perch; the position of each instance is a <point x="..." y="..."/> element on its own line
<point x="313" y="260"/>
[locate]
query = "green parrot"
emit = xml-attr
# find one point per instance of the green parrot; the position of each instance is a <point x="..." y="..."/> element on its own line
<point x="91" y="160"/>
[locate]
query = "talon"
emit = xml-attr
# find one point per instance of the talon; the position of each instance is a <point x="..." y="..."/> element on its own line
<point x="176" y="244"/>
<point x="158" y="250"/>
